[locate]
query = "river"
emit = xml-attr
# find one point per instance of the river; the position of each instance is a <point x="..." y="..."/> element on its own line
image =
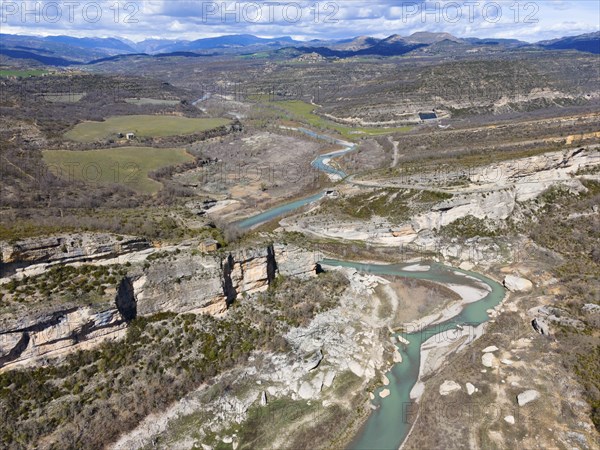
<point x="387" y="426"/>
<point x="390" y="423"/>
<point x="320" y="163"/>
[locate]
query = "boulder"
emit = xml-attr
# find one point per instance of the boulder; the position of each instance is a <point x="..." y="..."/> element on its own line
<point x="517" y="284"/>
<point x="510" y="420"/>
<point x="490" y="349"/>
<point x="402" y="340"/>
<point x="470" y="388"/>
<point x="540" y="326"/>
<point x="448" y="386"/>
<point x="528" y="396"/>
<point x="488" y="360"/>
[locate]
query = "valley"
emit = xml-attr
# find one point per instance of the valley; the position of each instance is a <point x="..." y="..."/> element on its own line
<point x="373" y="244"/>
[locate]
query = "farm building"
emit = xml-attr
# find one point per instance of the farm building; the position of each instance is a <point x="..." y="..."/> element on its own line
<point x="130" y="136"/>
<point x="209" y="246"/>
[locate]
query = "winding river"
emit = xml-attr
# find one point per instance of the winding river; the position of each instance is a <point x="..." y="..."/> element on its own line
<point x="320" y="163"/>
<point x="389" y="424"/>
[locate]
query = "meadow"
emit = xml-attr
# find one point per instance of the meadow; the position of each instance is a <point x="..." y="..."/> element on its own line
<point x="142" y="126"/>
<point x="128" y="166"/>
<point x="305" y="112"/>
<point x="23" y="73"/>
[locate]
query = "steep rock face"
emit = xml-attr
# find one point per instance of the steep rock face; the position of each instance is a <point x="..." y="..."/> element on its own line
<point x="58" y="333"/>
<point x="229" y="291"/>
<point x="181" y="283"/>
<point x="125" y="300"/>
<point x="209" y="285"/>
<point x="66" y="248"/>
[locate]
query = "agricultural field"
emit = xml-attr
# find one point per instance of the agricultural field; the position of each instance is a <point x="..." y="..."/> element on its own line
<point x="142" y="126"/>
<point x="305" y="112"/>
<point x="23" y="73"/>
<point x="151" y="101"/>
<point x="128" y="166"/>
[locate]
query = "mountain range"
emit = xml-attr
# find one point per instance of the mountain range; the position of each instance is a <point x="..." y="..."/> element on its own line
<point x="68" y="50"/>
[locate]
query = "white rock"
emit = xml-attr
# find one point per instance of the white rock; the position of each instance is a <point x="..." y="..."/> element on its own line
<point x="403" y="340"/>
<point x="516" y="284"/>
<point x="263" y="399"/>
<point x="488" y="360"/>
<point x="510" y="419"/>
<point x="508" y="362"/>
<point x="466" y="265"/>
<point x="329" y="377"/>
<point x="227" y="439"/>
<point x="397" y="356"/>
<point x="490" y="349"/>
<point x="384" y="393"/>
<point x="470" y="388"/>
<point x="306" y="390"/>
<point x="528" y="396"/>
<point x="356" y="368"/>
<point x="449" y="386"/>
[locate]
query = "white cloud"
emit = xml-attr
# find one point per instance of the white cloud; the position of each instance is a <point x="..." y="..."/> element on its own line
<point x="192" y="19"/>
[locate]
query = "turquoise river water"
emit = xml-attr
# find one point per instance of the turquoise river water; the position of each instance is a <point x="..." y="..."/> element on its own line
<point x="389" y="424"/>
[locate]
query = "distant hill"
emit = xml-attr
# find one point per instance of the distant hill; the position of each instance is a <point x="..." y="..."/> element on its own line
<point x="101" y="44"/>
<point x="424" y="37"/>
<point x="584" y="43"/>
<point x="68" y="50"/>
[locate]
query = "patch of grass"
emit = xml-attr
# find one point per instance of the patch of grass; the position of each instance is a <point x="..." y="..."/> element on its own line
<point x="396" y="205"/>
<point x="127" y="166"/>
<point x="142" y="126"/>
<point x="151" y="101"/>
<point x="23" y="73"/>
<point x="305" y="112"/>
<point x="85" y="284"/>
<point x="468" y="227"/>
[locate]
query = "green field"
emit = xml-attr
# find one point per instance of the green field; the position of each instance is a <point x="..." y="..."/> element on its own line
<point x="151" y="101"/>
<point x="23" y="73"/>
<point x="128" y="166"/>
<point x="142" y="126"/>
<point x="305" y="112"/>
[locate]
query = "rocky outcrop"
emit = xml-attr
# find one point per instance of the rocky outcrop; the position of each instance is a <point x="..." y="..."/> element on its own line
<point x="182" y="282"/>
<point x="66" y="248"/>
<point x="528" y="396"/>
<point x="448" y="387"/>
<point x="497" y="205"/>
<point x="58" y="333"/>
<point x="517" y="284"/>
<point x="544" y="316"/>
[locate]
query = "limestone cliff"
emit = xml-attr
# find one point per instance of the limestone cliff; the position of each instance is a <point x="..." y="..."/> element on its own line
<point x="66" y="248"/>
<point x="179" y="282"/>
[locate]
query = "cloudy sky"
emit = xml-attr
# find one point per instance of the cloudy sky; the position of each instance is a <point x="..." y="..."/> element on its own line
<point x="193" y="19"/>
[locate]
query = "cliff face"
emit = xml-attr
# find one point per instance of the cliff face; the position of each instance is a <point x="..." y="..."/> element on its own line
<point x="57" y="334"/>
<point x="179" y="283"/>
<point x="66" y="248"/>
<point x="209" y="285"/>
